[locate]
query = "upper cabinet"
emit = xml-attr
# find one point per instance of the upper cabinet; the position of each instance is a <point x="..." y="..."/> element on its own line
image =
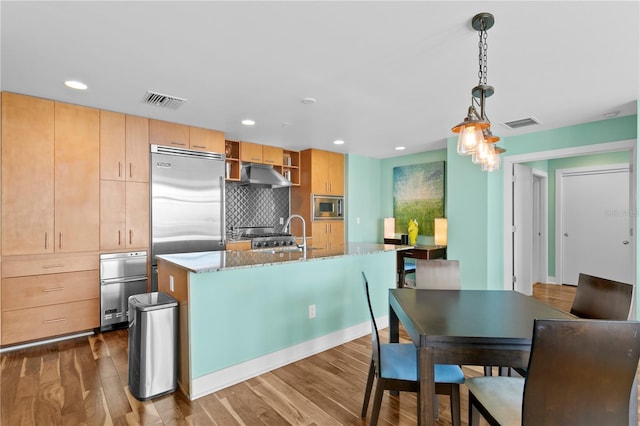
<point x="250" y="152"/>
<point x="170" y="134"/>
<point x="272" y="155"/>
<point x="27" y="174"/>
<point x="50" y="176"/>
<point x="183" y="136"/>
<point x="327" y="171"/>
<point x="124" y="147"/>
<point x="206" y="140"/>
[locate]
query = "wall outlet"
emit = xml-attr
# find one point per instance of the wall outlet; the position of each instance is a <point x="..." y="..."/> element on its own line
<point x="282" y="221"/>
<point x="357" y="221"/>
<point x="312" y="311"/>
<point x="171" y="286"/>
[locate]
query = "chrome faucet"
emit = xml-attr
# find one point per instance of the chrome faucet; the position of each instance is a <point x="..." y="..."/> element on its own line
<point x="303" y="246"/>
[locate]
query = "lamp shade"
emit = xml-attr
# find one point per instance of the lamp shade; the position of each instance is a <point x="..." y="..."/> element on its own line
<point x="389" y="227"/>
<point x="440" y="231"/>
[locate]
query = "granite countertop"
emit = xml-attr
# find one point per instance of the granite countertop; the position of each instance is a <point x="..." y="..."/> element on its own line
<point x="212" y="261"/>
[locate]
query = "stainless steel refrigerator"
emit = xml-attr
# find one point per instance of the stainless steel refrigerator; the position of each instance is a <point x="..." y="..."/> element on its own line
<point x="187" y="203"/>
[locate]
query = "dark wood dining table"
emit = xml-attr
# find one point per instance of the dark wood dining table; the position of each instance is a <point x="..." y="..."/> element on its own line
<point x="465" y="327"/>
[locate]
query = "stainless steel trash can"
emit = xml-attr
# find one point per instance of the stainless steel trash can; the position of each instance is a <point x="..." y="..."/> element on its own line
<point x="153" y="345"/>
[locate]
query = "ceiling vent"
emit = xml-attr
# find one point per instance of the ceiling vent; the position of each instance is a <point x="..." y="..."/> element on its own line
<point x="164" y="101"/>
<point x="523" y="122"/>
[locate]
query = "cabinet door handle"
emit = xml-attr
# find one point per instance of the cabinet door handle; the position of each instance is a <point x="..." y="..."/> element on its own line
<point x="119" y="169"/>
<point x="130" y="170"/>
<point x="48" y="290"/>
<point x="60" y="243"/>
<point x="178" y="143"/>
<point x="255" y="158"/>
<point x="46" y="240"/>
<point x="54" y="320"/>
<point x="56" y="265"/>
<point x="130" y="236"/>
<point x="119" y="239"/>
<point x="199" y="146"/>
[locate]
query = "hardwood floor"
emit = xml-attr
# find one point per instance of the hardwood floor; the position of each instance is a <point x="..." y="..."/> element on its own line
<point x="84" y="381"/>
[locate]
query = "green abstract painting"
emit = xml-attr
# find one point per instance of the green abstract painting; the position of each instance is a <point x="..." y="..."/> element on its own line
<point x="418" y="193"/>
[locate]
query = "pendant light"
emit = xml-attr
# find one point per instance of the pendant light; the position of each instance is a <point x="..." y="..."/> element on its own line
<point x="474" y="133"/>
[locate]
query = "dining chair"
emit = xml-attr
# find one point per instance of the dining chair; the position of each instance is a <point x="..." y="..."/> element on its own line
<point x="438" y="274"/>
<point x="601" y="298"/>
<point x="580" y="373"/>
<point x="395" y="366"/>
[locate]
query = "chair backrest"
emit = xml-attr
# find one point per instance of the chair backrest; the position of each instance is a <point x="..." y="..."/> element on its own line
<point x="600" y="298"/>
<point x="438" y="274"/>
<point x="375" y="337"/>
<point x="581" y="372"/>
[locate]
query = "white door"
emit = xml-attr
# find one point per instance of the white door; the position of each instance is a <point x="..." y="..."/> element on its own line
<point x="539" y="270"/>
<point x="595" y="224"/>
<point x="522" y="228"/>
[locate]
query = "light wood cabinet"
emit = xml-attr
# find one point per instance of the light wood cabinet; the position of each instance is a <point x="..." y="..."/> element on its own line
<point x="167" y="133"/>
<point x="239" y="245"/>
<point x="206" y="140"/>
<point x="321" y="173"/>
<point x="250" y="152"/>
<point x="291" y="166"/>
<point x="124" y="215"/>
<point x="49" y="295"/>
<point x="272" y="155"/>
<point x="27" y="174"/>
<point x="327" y="172"/>
<point x="187" y="137"/>
<point x="328" y="234"/>
<point x="77" y="188"/>
<point x="124" y="147"/>
<point x="45" y="142"/>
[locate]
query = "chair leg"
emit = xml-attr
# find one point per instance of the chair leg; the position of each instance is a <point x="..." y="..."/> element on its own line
<point x="377" y="402"/>
<point x="487" y="370"/>
<point x="474" y="414"/>
<point x="455" y="404"/>
<point x="367" y="391"/>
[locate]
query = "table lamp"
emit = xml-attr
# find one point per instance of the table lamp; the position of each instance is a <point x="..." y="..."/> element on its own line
<point x="440" y="232"/>
<point x="389" y="227"/>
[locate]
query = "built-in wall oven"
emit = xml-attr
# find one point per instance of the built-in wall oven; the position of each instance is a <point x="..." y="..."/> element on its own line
<point x="121" y="275"/>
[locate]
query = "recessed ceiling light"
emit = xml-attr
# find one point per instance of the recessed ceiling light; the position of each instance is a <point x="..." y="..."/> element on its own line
<point x="248" y="122"/>
<point x="338" y="142"/>
<point x="308" y="101"/>
<point x="399" y="148"/>
<point x="78" y="85"/>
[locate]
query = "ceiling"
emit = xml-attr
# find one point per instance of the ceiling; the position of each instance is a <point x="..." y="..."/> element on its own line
<point x="384" y="74"/>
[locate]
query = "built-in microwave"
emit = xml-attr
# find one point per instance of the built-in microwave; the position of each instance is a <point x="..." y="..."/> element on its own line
<point x="328" y="207"/>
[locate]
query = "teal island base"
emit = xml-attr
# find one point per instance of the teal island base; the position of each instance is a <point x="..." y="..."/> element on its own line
<point x="243" y="313"/>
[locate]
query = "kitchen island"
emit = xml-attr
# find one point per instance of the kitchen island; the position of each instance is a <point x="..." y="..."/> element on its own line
<point x="243" y="313"/>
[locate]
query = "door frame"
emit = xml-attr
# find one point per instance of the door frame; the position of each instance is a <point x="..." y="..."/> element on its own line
<point x="559" y="241"/>
<point x="540" y="211"/>
<point x="508" y="161"/>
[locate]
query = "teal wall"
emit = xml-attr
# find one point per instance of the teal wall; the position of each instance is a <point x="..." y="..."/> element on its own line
<point x="475" y="201"/>
<point x="386" y="184"/>
<point x="270" y="308"/>
<point x="362" y="199"/>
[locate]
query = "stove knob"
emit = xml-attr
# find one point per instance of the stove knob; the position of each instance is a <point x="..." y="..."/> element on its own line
<point x="290" y="243"/>
<point x="258" y="245"/>
<point x="266" y="243"/>
<point x="276" y="243"/>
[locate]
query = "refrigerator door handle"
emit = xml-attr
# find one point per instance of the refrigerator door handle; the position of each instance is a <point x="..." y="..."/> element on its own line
<point x="123" y="280"/>
<point x="222" y="215"/>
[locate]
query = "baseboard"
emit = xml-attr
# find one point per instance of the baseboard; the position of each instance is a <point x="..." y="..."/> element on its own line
<point x="221" y="379"/>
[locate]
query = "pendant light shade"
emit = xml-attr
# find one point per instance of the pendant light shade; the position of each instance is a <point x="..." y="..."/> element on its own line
<point x="474" y="134"/>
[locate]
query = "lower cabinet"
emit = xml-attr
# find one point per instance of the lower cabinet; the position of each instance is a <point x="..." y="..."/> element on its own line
<point x="50" y="295"/>
<point x="328" y="234"/>
<point x="238" y="245"/>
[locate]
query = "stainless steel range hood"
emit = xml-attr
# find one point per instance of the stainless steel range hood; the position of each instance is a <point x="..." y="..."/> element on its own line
<point x="262" y="174"/>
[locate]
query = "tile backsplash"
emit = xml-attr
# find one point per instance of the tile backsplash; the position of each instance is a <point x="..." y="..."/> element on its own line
<point x="248" y="205"/>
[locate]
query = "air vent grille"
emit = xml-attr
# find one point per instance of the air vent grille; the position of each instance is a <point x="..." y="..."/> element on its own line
<point x="523" y="122"/>
<point x="164" y="101"/>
